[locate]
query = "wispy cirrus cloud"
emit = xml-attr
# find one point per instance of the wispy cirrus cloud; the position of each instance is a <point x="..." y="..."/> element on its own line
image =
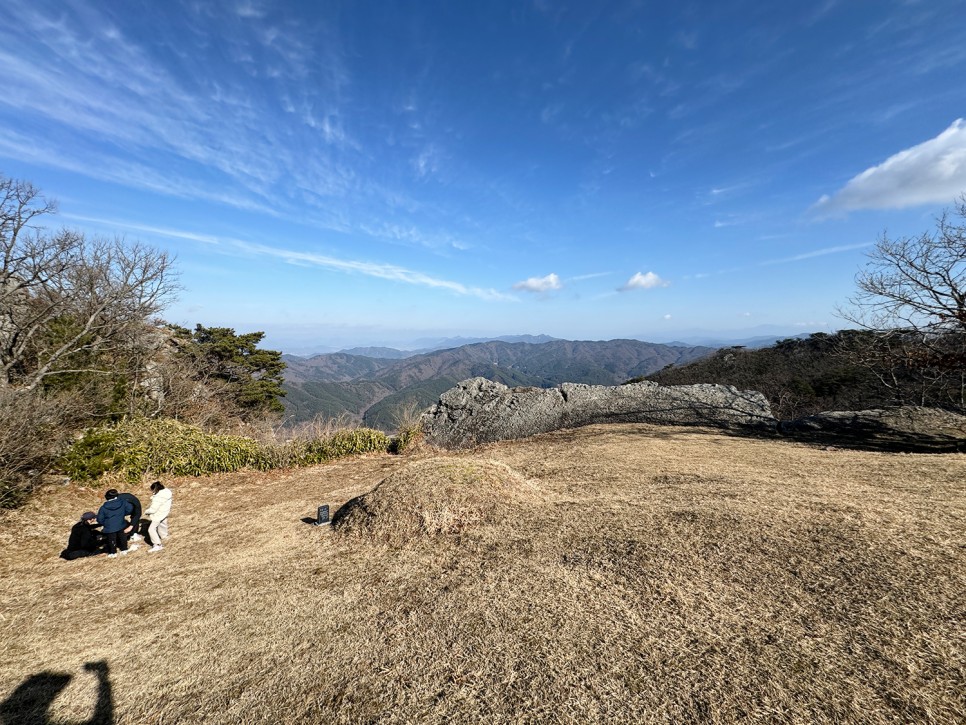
<point x="592" y="275"/>
<point x="427" y="161"/>
<point x="371" y="269"/>
<point x="783" y="260"/>
<point x="118" y="98"/>
<point x="933" y="172"/>
<point x="378" y="270"/>
<point x="540" y="285"/>
<point x="816" y="253"/>
<point x="648" y="280"/>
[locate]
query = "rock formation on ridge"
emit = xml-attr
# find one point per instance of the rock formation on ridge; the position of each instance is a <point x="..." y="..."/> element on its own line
<point x="480" y="411"/>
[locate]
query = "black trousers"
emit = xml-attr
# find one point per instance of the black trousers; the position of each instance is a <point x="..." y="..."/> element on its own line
<point x="77" y="554"/>
<point x="116" y="540"/>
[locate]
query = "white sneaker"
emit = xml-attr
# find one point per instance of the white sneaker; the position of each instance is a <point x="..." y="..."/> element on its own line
<point x="123" y="552"/>
<point x="133" y="547"/>
<point x="154" y="548"/>
<point x="136" y="537"/>
<point x="112" y="556"/>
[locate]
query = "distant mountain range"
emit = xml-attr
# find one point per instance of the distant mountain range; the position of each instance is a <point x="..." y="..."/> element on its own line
<point x="380" y="388"/>
<point x="443" y="343"/>
<point x="767" y="335"/>
<point x="750" y="342"/>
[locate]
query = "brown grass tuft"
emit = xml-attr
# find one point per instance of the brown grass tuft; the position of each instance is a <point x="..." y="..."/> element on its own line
<point x="434" y="497"/>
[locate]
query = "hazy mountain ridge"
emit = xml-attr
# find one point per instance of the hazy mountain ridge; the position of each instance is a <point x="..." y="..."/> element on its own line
<point x="333" y="367"/>
<point x="376" y="390"/>
<point x="389" y="353"/>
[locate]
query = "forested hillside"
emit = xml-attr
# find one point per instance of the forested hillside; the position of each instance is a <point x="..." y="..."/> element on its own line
<point x="379" y="391"/>
<point x="845" y="371"/>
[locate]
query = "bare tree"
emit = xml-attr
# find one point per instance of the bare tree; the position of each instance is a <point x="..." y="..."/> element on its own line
<point x="65" y="299"/>
<point x="912" y="293"/>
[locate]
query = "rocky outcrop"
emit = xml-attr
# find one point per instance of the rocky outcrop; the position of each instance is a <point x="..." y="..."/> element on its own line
<point x="480" y="411"/>
<point x="906" y="428"/>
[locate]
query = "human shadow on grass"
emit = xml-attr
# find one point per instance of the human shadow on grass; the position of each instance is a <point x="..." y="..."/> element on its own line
<point x="30" y="703"/>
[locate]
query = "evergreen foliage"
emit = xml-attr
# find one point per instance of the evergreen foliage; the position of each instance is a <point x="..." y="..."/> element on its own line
<point x="252" y="375"/>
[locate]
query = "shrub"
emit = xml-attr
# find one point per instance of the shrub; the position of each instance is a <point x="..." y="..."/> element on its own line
<point x="409" y="428"/>
<point x="407" y="438"/>
<point x="34" y="428"/>
<point x="342" y="443"/>
<point x="138" y="446"/>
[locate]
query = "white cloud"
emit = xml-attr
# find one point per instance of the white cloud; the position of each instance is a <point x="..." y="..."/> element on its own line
<point x="539" y="284"/>
<point x="550" y="113"/>
<point x="929" y="173"/>
<point x="427" y="162"/>
<point x="592" y="275"/>
<point x="644" y="281"/>
<point x="816" y="253"/>
<point x="249" y="9"/>
<point x="667" y="317"/>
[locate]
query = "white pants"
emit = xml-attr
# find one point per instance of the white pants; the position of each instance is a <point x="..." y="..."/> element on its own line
<point x="158" y="531"/>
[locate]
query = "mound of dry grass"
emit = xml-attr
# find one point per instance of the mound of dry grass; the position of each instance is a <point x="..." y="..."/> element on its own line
<point x="627" y="574"/>
<point x="434" y="497"/>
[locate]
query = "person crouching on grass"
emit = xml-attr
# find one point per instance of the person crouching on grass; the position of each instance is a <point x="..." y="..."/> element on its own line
<point x="111" y="516"/>
<point x="158" y="512"/>
<point x="85" y="540"/>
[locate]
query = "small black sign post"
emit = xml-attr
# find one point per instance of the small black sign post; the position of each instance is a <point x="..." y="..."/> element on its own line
<point x="322" y="517"/>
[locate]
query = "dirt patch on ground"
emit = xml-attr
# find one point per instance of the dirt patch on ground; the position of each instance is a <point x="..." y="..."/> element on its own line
<point x="654" y="575"/>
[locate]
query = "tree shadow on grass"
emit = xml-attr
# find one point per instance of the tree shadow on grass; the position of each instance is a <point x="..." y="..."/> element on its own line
<point x="30" y="703"/>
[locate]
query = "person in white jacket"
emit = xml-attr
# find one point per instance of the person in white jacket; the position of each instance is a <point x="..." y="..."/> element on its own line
<point x="158" y="512"/>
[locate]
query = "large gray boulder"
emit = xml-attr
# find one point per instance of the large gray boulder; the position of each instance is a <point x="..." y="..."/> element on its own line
<point x="904" y="428"/>
<point x="480" y="411"/>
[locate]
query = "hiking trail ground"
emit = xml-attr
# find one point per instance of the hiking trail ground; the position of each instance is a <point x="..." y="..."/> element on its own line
<point x="632" y="574"/>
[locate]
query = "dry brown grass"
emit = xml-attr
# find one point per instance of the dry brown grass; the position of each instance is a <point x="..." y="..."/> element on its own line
<point x="633" y="574"/>
<point x="435" y="497"/>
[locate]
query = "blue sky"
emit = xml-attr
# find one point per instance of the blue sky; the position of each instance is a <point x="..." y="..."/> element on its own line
<point x="346" y="173"/>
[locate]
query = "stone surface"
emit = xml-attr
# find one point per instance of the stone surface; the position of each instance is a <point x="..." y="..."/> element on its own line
<point x="480" y="411"/>
<point x="905" y="428"/>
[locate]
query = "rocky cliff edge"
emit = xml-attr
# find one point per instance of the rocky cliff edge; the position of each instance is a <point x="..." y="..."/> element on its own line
<point x="479" y="411"/>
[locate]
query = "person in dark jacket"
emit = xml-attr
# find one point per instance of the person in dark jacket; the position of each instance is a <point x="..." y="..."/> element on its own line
<point x="134" y="520"/>
<point x="84" y="538"/>
<point x="111" y="517"/>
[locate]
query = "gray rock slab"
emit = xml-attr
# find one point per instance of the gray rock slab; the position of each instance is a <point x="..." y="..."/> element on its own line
<point x="479" y="411"/>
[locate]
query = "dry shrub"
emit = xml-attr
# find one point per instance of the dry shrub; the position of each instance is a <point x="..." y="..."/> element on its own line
<point x="409" y="436"/>
<point x="342" y="443"/>
<point x="319" y="427"/>
<point x="409" y="439"/>
<point x="33" y="430"/>
<point x="434" y="497"/>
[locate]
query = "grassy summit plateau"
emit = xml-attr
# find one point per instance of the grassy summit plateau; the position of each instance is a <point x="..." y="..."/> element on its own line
<point x="622" y="573"/>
